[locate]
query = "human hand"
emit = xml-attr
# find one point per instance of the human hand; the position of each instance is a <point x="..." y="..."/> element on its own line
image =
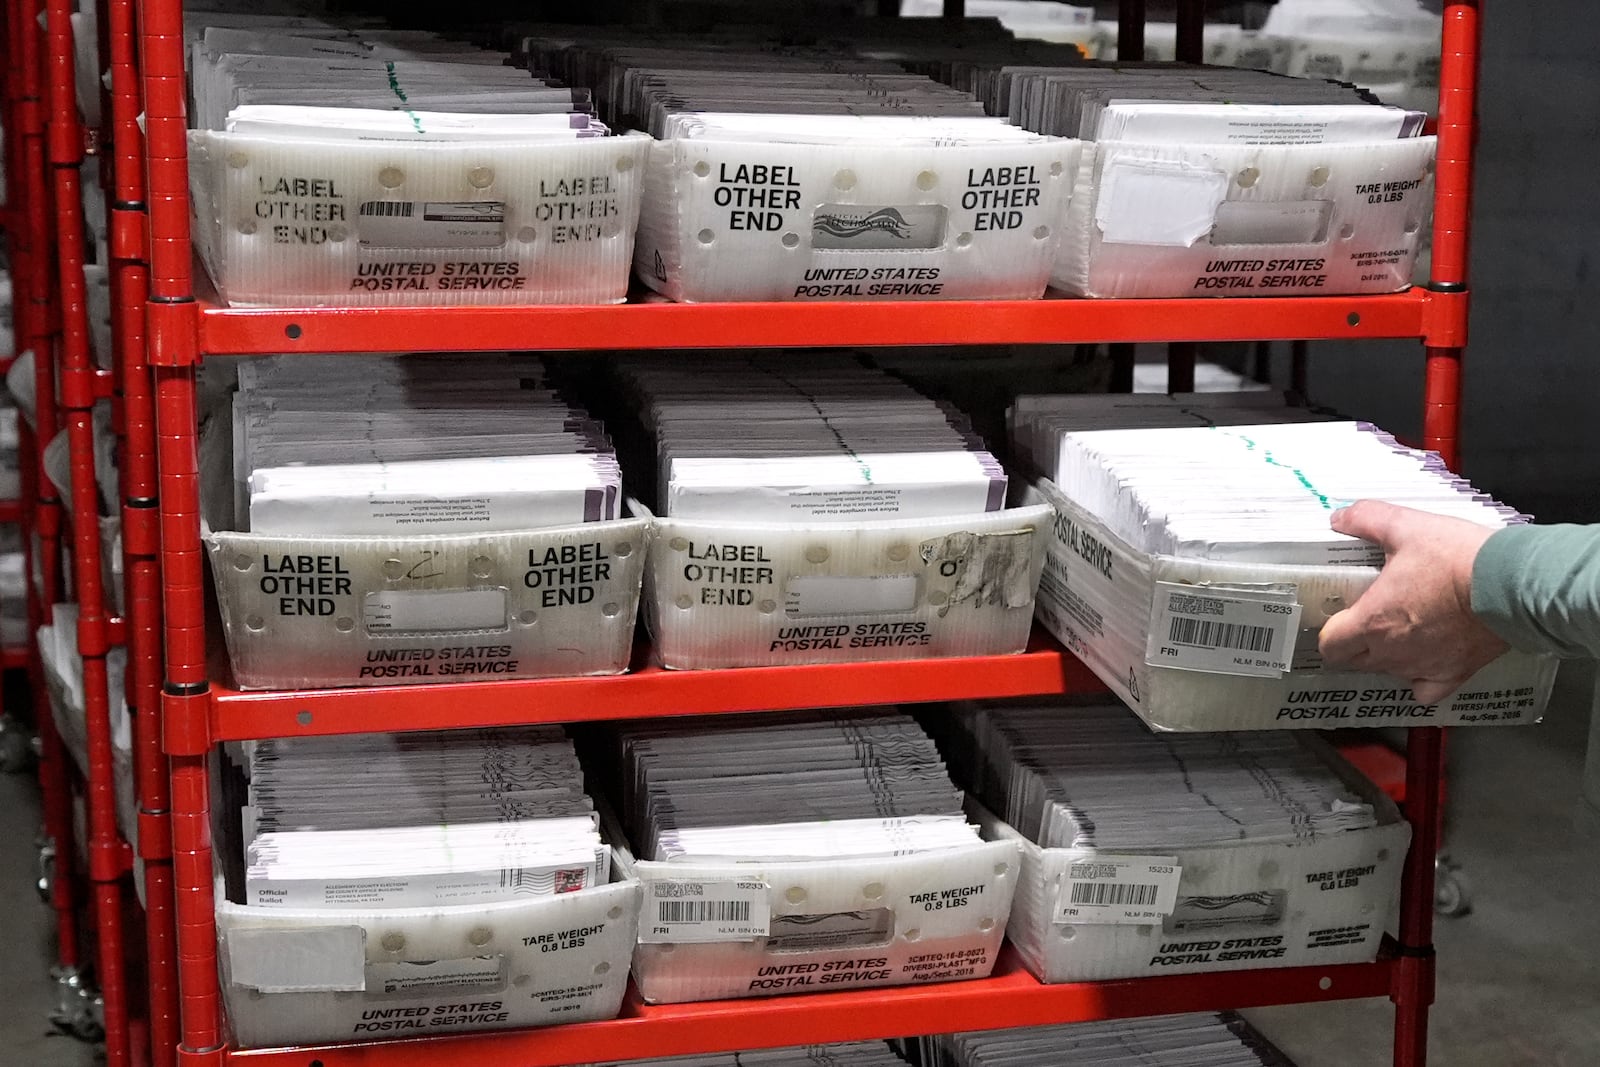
<point x="1416" y="620"/>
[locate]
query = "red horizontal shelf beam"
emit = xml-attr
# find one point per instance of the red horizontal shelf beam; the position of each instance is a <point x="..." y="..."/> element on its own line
<point x="245" y="331"/>
<point x="13" y="657"/>
<point x="646" y="692"/>
<point x="11" y="511"/>
<point x="1011" y="998"/>
<point x="1385" y="767"/>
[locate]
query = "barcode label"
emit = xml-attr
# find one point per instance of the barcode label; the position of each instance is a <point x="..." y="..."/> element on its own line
<point x="1107" y="889"/>
<point x="1100" y="894"/>
<point x="1204" y="633"/>
<point x="432" y="224"/>
<point x="395" y="209"/>
<point x="1243" y="630"/>
<point x="702" y="911"/>
<point x="696" y="912"/>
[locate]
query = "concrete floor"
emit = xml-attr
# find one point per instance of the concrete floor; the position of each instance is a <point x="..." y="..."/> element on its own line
<point x="26" y="1037"/>
<point x="1519" y="978"/>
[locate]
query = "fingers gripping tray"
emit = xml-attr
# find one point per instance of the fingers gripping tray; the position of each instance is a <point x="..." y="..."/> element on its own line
<point x="388" y="223"/>
<point x="764" y="221"/>
<point x="813" y="927"/>
<point x="1245" y="220"/>
<point x="1114" y="608"/>
<point x="1307" y="902"/>
<point x="343" y="611"/>
<point x="728" y="594"/>
<point x="300" y="976"/>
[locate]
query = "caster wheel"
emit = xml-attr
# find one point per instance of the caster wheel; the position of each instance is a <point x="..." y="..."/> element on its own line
<point x="79" y="1011"/>
<point x="47" y="870"/>
<point x="16" y="747"/>
<point x="1452" y="893"/>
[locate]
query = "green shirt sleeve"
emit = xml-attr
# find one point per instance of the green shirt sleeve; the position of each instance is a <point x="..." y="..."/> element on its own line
<point x="1538" y="587"/>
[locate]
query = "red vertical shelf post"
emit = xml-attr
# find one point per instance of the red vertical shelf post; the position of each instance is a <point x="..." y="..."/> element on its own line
<point x="1444" y="344"/>
<point x="172" y="340"/>
<point x="140" y="536"/>
<point x="32" y="291"/>
<point x="79" y="383"/>
<point x="1191" y="48"/>
<point x="1452" y="213"/>
<point x="13" y="232"/>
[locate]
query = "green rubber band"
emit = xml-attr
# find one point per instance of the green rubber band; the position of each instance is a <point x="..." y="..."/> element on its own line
<point x="394" y="86"/>
<point x="1266" y="454"/>
<point x="866" y="471"/>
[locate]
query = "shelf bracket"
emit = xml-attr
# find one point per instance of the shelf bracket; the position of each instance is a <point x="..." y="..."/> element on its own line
<point x="188" y="1057"/>
<point x="186" y="722"/>
<point x="155" y="836"/>
<point x="1444" y="317"/>
<point x="128" y="236"/>
<point x="173" y="332"/>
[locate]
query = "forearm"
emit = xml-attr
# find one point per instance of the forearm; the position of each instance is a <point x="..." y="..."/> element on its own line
<point x="1538" y="587"/>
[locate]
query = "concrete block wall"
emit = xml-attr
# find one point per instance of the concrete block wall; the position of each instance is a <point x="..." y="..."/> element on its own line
<point x="1531" y="426"/>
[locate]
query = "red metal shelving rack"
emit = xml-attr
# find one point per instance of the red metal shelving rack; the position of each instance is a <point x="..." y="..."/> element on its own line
<point x="183" y="325"/>
<point x="48" y="256"/>
<point x="35" y="325"/>
<point x="141" y="542"/>
<point x="81" y="386"/>
<point x="45" y="108"/>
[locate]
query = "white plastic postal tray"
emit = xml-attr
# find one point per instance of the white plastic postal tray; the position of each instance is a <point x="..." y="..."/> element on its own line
<point x="835" y="925"/>
<point x="391" y="223"/>
<point x="345" y="611"/>
<point x="764" y="221"/>
<point x="729" y="594"/>
<point x="1169" y="220"/>
<point x="1100" y="597"/>
<point x="58" y="653"/>
<point x="301" y="976"/>
<point x="1322" y="901"/>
